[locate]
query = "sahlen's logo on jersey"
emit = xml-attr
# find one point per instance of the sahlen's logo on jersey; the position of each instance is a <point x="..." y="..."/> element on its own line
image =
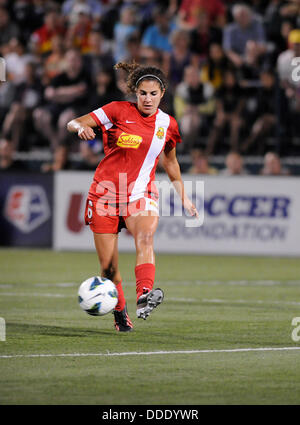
<point x="126" y="140"/>
<point x="27" y="207"/>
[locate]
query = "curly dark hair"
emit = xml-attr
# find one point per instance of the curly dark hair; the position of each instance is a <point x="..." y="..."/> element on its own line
<point x="136" y="73"/>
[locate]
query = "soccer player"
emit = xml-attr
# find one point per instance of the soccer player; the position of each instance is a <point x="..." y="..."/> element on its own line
<point x="123" y="193"/>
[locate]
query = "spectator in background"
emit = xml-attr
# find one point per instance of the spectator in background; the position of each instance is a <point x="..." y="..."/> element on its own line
<point x="71" y="8"/>
<point x="7" y="162"/>
<point x="54" y="64"/>
<point x="110" y="17"/>
<point x="16" y="60"/>
<point x="79" y="29"/>
<point x="214" y="67"/>
<point x="28" y="15"/>
<point x="250" y="82"/>
<point x="28" y="96"/>
<point x="200" y="164"/>
<point x="273" y="20"/>
<point x="123" y="29"/>
<point x="265" y="113"/>
<point x="202" y="36"/>
<point x="150" y="56"/>
<point x="272" y="166"/>
<point x="99" y="56"/>
<point x="249" y="72"/>
<point x="41" y="39"/>
<point x="133" y="47"/>
<point x="157" y="36"/>
<point x="229" y="107"/>
<point x="145" y="10"/>
<point x="246" y="28"/>
<point x="8" y="29"/>
<point x="191" y="103"/>
<point x="188" y="10"/>
<point x="66" y="97"/>
<point x="178" y="59"/>
<point x="106" y="89"/>
<point x="278" y="26"/>
<point x="277" y="40"/>
<point x="234" y="165"/>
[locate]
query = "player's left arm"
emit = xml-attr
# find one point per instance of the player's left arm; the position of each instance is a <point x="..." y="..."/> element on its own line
<point x="172" y="168"/>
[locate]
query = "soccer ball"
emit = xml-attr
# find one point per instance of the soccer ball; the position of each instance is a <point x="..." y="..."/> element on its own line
<point x="97" y="296"/>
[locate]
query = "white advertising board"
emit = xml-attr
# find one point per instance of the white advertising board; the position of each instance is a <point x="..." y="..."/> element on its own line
<point x="242" y="216"/>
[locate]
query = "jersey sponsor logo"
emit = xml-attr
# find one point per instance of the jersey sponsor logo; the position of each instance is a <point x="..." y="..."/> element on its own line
<point x="126" y="140"/>
<point x="27" y="207"/>
<point x="160" y="133"/>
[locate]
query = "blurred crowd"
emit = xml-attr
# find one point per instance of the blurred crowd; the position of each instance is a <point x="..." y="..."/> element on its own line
<point x="234" y="85"/>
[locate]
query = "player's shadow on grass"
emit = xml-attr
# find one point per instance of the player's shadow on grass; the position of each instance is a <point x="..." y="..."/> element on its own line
<point x="33" y="329"/>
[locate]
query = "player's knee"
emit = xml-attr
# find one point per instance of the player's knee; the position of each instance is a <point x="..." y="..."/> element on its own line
<point x="144" y="238"/>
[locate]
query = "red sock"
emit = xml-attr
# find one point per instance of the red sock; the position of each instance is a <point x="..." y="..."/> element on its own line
<point x="145" y="274"/>
<point x="121" y="297"/>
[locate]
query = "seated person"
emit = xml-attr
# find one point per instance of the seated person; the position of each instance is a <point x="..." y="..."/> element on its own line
<point x="234" y="165"/>
<point x="272" y="166"/>
<point x="200" y="164"/>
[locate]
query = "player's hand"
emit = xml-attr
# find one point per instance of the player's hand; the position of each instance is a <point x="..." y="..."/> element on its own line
<point x="86" y="133"/>
<point x="190" y="208"/>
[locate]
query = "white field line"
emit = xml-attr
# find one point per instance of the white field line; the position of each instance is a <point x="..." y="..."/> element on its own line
<point x="149" y="353"/>
<point x="191" y="300"/>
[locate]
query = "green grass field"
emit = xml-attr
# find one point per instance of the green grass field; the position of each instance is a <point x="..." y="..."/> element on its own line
<point x="211" y="303"/>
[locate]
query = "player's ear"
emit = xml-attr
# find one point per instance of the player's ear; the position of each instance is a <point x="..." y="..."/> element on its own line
<point x="162" y="93"/>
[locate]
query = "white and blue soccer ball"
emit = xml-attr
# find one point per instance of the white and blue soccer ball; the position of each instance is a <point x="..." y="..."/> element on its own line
<point x="97" y="296"/>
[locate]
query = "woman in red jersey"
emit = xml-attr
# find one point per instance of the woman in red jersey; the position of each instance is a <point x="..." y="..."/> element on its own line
<point x="123" y="193"/>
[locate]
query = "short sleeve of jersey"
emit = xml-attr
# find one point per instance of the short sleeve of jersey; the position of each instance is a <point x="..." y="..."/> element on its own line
<point x="105" y="116"/>
<point x="173" y="135"/>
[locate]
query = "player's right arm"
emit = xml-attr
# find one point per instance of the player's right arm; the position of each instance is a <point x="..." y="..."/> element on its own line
<point x="83" y="126"/>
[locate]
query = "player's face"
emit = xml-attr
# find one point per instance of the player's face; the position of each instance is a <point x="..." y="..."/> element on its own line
<point x="148" y="95"/>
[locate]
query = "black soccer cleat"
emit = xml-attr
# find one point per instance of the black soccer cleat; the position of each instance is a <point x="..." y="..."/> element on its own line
<point x="122" y="321"/>
<point x="148" y="301"/>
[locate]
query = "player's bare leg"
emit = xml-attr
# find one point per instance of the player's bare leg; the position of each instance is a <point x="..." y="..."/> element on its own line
<point x="142" y="226"/>
<point x="107" y="250"/>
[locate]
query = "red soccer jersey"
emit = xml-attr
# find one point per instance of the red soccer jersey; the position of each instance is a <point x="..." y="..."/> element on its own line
<point x="132" y="145"/>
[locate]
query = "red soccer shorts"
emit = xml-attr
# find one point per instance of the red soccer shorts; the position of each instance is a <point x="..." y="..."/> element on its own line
<point x="110" y="218"/>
